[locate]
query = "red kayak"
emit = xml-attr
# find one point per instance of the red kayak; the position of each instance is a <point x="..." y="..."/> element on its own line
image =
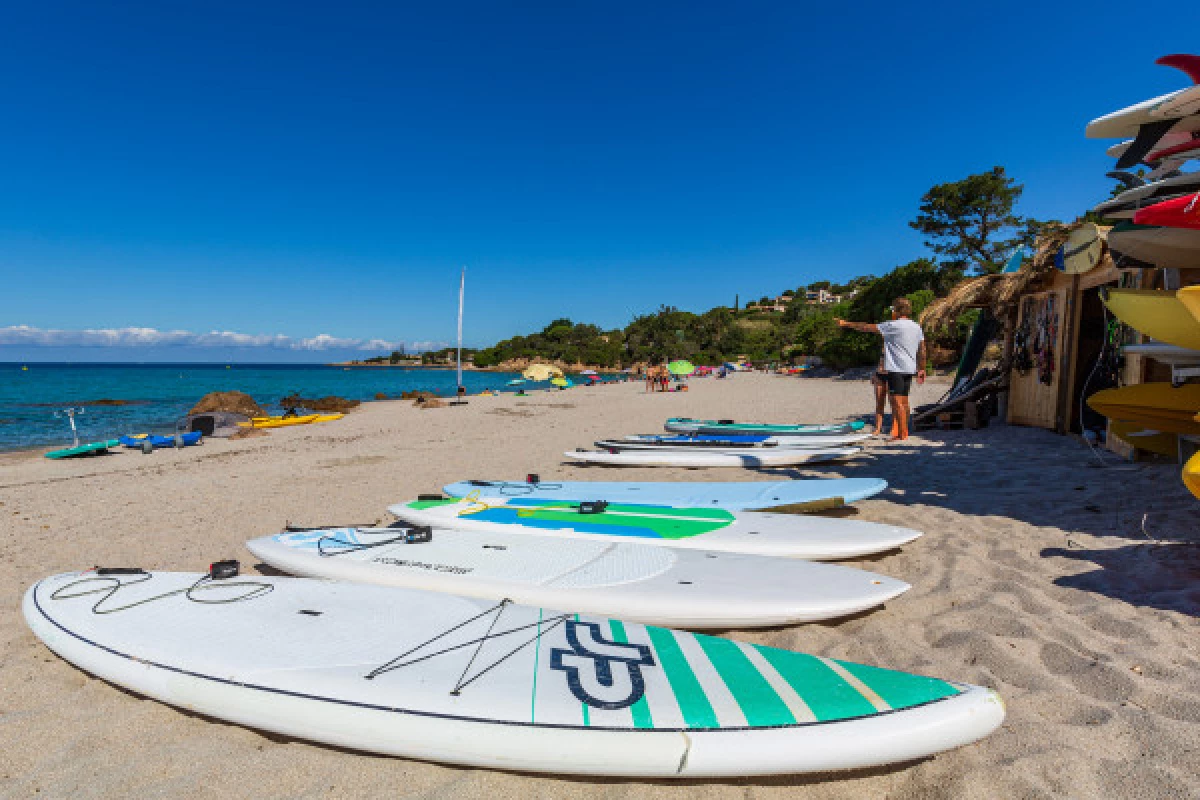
<point x="1180" y="212"/>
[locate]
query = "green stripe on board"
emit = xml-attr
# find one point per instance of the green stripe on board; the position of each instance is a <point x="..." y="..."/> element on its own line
<point x="829" y="697"/>
<point x="641" y="709"/>
<point x="587" y="717"/>
<point x="639" y="509"/>
<point x="537" y="652"/>
<point x="755" y="697"/>
<point x="900" y="689"/>
<point x="689" y="694"/>
<point x="421" y="505"/>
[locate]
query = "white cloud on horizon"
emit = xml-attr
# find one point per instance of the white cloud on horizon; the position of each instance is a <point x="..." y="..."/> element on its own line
<point x="29" y="336"/>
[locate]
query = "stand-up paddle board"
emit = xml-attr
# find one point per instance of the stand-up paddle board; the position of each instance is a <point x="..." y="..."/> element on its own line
<point x="629" y="580"/>
<point x="729" y="495"/>
<point x="728" y="441"/>
<point x="1135" y="434"/>
<point x="89" y="449"/>
<point x="1165" y="353"/>
<point x="1160" y="315"/>
<point x="1190" y="297"/>
<point x="724" y="426"/>
<point x="1149" y="121"/>
<point x="1191" y="474"/>
<point x="466" y="681"/>
<point x="1157" y="406"/>
<point x="1129" y="202"/>
<point x="783" y="457"/>
<point x="1180" y="212"/>
<point x="751" y="532"/>
<point x="1177" y="248"/>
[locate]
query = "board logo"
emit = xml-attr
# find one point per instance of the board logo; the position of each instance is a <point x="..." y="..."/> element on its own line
<point x="602" y="673"/>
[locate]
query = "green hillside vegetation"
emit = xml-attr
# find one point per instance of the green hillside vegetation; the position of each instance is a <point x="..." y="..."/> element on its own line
<point x="970" y="224"/>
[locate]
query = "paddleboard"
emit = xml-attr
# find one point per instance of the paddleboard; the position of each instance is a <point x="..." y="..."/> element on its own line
<point x="1149" y="120"/>
<point x="1191" y="475"/>
<point x="713" y="426"/>
<point x="750" y="532"/>
<point x="1163" y="247"/>
<point x="1179" y="212"/>
<point x="729" y="441"/>
<point x="1082" y="251"/>
<point x="1128" y="202"/>
<point x="1137" y="435"/>
<point x="1190" y="298"/>
<point x="625" y="579"/>
<point x="466" y="681"/>
<point x="785" y="457"/>
<point x="1165" y="353"/>
<point x="729" y="495"/>
<point x="1187" y="149"/>
<point x="1158" y="314"/>
<point x="89" y="449"/>
<point x="1158" y="406"/>
<point x="137" y="440"/>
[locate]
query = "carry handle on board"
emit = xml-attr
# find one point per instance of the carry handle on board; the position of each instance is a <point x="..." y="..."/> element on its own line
<point x="593" y="506"/>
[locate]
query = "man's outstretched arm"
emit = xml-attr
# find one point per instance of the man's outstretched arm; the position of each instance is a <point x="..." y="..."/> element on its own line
<point x="864" y="327"/>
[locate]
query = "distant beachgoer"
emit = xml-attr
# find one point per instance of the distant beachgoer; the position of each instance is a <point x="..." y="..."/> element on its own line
<point x="649" y="379"/>
<point x="903" y="358"/>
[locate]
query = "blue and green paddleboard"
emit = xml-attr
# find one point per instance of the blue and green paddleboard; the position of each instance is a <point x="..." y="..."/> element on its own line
<point x="89" y="449"/>
<point x="801" y="495"/>
<point x="720" y="426"/>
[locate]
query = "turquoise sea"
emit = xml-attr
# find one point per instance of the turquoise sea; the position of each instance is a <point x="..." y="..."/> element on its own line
<point x="158" y="394"/>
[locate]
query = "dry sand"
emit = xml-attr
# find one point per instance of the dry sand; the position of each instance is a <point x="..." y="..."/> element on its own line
<point x="1034" y="577"/>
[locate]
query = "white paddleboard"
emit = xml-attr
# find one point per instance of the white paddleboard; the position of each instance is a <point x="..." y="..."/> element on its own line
<point x="1166" y="353"/>
<point x="628" y="580"/>
<point x="715" y="529"/>
<point x="785" y="457"/>
<point x="472" y="682"/>
<point x="1162" y="247"/>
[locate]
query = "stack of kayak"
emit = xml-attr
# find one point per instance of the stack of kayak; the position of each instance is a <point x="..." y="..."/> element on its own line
<point x="714" y="443"/>
<point x="515" y="625"/>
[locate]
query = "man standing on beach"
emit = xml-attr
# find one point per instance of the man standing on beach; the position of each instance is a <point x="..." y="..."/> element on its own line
<point x="903" y="358"/>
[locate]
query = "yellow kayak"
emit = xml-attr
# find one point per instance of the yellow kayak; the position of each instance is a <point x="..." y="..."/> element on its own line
<point x="1191" y="474"/>
<point x="1145" y="438"/>
<point x="1158" y="406"/>
<point x="328" y="417"/>
<point x="278" y="421"/>
<point x="1161" y="315"/>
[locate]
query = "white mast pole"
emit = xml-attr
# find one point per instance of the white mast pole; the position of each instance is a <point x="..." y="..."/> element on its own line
<point x="462" y="282"/>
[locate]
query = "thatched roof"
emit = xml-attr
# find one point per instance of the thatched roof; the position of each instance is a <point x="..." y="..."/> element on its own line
<point x="999" y="292"/>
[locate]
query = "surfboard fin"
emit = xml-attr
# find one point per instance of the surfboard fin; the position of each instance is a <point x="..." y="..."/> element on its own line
<point x="1147" y="137"/>
<point x="1190" y="65"/>
<point x="1128" y="179"/>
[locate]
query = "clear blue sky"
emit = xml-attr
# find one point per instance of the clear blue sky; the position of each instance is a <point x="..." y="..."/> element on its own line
<point x="298" y="169"/>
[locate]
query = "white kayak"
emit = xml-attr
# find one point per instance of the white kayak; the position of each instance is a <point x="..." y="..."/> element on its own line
<point x="466" y="681"/>
<point x="714" y="529"/>
<point x="784" y="457"/>
<point x="734" y="442"/>
<point x="630" y="580"/>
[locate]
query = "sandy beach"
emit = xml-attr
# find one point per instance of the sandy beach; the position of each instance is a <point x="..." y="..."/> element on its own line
<point x="1067" y="581"/>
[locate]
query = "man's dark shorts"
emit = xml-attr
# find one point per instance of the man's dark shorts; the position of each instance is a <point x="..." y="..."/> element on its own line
<point x="899" y="383"/>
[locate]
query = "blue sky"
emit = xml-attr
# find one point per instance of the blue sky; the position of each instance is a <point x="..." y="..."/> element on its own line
<point x="293" y="169"/>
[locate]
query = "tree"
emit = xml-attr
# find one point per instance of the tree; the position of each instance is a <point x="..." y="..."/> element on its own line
<point x="971" y="222"/>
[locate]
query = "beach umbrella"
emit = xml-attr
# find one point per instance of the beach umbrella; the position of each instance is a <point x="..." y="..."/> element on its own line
<point x="541" y="372"/>
<point x="681" y="367"/>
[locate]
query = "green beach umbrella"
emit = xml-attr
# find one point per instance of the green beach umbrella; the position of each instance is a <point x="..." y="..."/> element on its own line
<point x="681" y="367"/>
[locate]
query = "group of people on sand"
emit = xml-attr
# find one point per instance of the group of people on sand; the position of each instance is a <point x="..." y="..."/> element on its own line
<point x="658" y="378"/>
<point x="903" y="359"/>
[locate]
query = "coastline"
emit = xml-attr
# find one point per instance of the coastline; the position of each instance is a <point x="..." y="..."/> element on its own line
<point x="1085" y="627"/>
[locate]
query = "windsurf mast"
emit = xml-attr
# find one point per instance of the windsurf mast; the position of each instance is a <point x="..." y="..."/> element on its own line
<point x="462" y="282"/>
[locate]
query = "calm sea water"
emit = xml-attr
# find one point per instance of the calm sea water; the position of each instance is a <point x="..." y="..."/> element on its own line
<point x="161" y="393"/>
